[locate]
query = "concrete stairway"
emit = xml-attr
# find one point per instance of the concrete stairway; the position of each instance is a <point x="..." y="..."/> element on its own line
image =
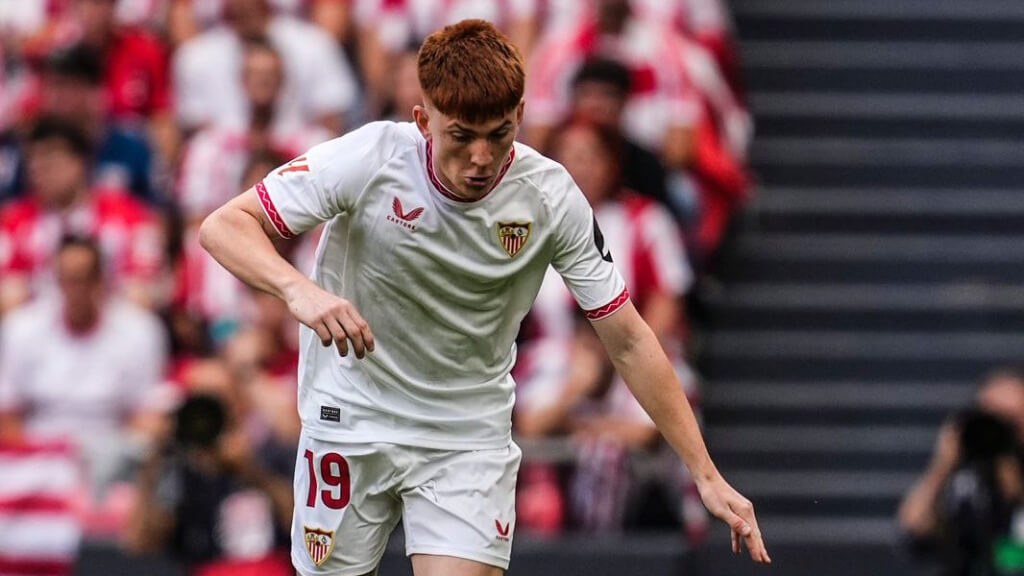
<point x="881" y="270"/>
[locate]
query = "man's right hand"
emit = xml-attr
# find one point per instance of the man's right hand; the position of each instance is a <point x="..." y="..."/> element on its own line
<point x="334" y="319"/>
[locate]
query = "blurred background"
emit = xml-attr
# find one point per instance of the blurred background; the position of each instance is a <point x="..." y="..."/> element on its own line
<point x="842" y="295"/>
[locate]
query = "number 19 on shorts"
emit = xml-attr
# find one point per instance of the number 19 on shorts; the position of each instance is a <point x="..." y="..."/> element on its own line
<point x="334" y="475"/>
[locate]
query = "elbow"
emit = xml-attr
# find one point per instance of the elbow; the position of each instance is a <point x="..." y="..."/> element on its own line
<point x="207" y="231"/>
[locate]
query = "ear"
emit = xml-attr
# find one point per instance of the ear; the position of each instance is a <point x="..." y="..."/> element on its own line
<point x="419" y="114"/>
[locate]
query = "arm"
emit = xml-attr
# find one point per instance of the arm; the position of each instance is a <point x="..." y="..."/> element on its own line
<point x="238" y="236"/>
<point x="638" y="357"/>
<point x="150" y="523"/>
<point x="917" y="513"/>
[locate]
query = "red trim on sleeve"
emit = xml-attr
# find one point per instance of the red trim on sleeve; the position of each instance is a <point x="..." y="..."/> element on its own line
<point x="272" y="213"/>
<point x="609" y="308"/>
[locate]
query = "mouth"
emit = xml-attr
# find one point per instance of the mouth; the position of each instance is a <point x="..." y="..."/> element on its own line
<point x="478" y="181"/>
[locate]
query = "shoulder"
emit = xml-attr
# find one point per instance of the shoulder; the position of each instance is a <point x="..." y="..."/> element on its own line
<point x="376" y="141"/>
<point x="551" y="180"/>
<point x="116" y="205"/>
<point x="127" y="318"/>
<point x="21" y="323"/>
<point x="18" y="212"/>
<point x="295" y="35"/>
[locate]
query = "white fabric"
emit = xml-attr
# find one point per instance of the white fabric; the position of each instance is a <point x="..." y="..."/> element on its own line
<point x="443" y="297"/>
<point x="79" y="387"/>
<point x="34" y="475"/>
<point x="208" y="76"/>
<point x="452" y="503"/>
<point x="20" y="536"/>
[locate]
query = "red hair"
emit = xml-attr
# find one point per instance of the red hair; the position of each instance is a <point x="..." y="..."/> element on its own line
<point x="471" y="71"/>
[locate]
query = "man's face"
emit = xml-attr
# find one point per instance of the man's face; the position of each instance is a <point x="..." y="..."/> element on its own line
<point x="55" y="172"/>
<point x="468" y="157"/>
<point x="249" y="18"/>
<point x="71" y="99"/>
<point x="81" y="284"/>
<point x="261" y="77"/>
<point x="599" y="103"/>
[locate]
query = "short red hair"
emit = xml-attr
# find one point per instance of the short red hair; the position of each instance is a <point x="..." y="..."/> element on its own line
<point x="471" y="71"/>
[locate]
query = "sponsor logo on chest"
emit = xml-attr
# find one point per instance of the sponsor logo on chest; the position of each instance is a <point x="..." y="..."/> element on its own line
<point x="404" y="219"/>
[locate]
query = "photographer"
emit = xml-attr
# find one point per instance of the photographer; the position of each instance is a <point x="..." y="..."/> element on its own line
<point x="962" y="510"/>
<point x="209" y="498"/>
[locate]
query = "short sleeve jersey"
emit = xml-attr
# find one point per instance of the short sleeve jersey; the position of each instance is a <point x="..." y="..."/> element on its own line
<point x="444" y="284"/>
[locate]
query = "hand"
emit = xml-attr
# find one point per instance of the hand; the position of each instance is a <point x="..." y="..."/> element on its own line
<point x="334" y="319"/>
<point x="723" y="501"/>
<point x="947" y="448"/>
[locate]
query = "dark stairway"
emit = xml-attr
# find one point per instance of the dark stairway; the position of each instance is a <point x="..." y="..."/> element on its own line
<point x="879" y="273"/>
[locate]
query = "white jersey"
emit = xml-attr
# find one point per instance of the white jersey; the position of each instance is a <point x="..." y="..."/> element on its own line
<point x="443" y="283"/>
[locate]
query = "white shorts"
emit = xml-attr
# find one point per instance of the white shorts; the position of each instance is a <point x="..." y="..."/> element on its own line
<point x="457" y="503"/>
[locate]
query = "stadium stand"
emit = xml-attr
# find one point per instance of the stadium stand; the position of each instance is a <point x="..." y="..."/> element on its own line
<point x="877" y="276"/>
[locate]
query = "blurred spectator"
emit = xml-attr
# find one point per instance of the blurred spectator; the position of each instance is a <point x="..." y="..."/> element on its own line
<point x="82" y="368"/>
<point x="319" y="86"/>
<point x="62" y="203"/>
<point x="213" y="164"/>
<point x="212" y="496"/>
<point x="71" y="90"/>
<point x="964" y="510"/>
<point x="406" y="85"/>
<point x="387" y="28"/>
<point x="568" y="385"/>
<point x="663" y="109"/>
<point x="599" y="92"/>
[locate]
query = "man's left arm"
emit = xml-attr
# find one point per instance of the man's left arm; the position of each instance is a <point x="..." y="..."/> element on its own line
<point x="640" y="360"/>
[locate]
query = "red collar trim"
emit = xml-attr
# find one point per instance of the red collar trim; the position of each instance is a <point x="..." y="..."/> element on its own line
<point x="440" y="187"/>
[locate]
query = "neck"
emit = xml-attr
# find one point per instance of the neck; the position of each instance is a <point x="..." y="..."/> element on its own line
<point x="262" y="116"/>
<point x="82" y="321"/>
<point x="64" y="203"/>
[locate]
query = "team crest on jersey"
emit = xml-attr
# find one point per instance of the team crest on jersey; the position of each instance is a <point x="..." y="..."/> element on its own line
<point x="319" y="543"/>
<point x="513" y="236"/>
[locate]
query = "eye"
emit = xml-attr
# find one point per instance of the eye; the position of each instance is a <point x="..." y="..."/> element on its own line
<point x="461" y="137"/>
<point x="500" y="135"/>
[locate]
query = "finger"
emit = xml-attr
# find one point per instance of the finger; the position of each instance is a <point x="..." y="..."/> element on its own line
<point x="755" y="541"/>
<point x="735" y="542"/>
<point x="737" y="523"/>
<point x="354" y="334"/>
<point x="364" y="329"/>
<point x="338" y="335"/>
<point x="323" y="334"/>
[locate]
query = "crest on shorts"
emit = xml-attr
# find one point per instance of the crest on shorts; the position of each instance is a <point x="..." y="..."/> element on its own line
<point x="513" y="236"/>
<point x="319" y="543"/>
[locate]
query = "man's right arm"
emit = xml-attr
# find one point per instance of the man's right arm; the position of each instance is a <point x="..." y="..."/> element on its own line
<point x="238" y="236"/>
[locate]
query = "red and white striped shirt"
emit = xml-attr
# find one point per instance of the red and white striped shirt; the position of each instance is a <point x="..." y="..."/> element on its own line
<point x="662" y="95"/>
<point x="128" y="232"/>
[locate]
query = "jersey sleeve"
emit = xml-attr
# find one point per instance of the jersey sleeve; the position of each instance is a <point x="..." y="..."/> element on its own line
<point x="582" y="258"/>
<point x="325" y="181"/>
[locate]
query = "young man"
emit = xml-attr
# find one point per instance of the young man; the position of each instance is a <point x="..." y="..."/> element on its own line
<point x="437" y="239"/>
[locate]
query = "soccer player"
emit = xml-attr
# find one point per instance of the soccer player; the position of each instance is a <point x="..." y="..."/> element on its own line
<point x="437" y="239"/>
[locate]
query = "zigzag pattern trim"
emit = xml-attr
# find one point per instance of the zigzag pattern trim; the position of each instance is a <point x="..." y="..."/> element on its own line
<point x="272" y="213"/>
<point x="608" y="308"/>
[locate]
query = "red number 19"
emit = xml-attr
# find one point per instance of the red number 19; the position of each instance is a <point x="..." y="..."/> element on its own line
<point x="334" y="473"/>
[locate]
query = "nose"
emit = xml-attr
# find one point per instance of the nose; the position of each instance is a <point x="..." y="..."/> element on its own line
<point x="480" y="154"/>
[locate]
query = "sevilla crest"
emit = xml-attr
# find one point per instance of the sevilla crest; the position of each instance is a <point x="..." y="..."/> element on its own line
<point x="513" y="236"/>
<point x="319" y="543"/>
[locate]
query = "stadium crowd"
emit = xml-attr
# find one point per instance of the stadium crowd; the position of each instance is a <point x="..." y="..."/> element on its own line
<point x="148" y="396"/>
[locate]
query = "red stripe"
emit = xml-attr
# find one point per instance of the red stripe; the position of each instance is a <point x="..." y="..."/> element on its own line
<point x="34" y="449"/>
<point x="272" y="213"/>
<point x="34" y="504"/>
<point x="16" y="565"/>
<point x="618" y="302"/>
<point x="448" y="193"/>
